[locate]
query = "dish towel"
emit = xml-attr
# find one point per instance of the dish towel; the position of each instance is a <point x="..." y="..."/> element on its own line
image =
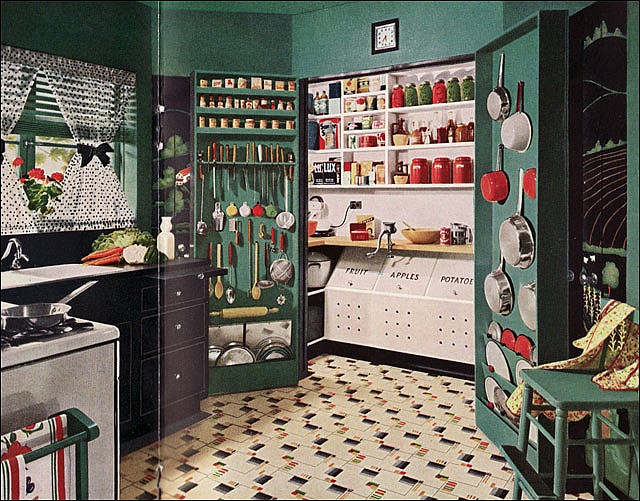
<point x="50" y="477"/>
<point x="610" y="346"/>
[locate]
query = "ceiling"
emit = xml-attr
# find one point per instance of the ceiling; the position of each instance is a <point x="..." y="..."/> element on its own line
<point x="290" y="8"/>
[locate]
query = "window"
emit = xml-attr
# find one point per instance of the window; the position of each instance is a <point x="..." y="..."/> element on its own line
<point x="43" y="139"/>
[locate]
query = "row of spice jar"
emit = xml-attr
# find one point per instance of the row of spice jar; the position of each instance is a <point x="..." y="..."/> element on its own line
<point x="254" y="83"/>
<point x="230" y="102"/>
<point x="452" y="91"/>
<point x="249" y="123"/>
<point x="440" y="170"/>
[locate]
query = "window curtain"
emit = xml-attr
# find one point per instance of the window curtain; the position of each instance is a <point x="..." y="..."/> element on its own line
<point x="93" y="100"/>
<point x="18" y="77"/>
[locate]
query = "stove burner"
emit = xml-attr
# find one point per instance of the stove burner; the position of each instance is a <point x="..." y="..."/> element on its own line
<point x="16" y="337"/>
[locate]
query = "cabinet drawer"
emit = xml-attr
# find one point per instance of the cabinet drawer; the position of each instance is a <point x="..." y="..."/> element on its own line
<point x="174" y="291"/>
<point x="184" y="374"/>
<point x="185" y="325"/>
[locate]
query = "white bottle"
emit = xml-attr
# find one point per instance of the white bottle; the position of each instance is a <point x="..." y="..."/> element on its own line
<point x="166" y="239"/>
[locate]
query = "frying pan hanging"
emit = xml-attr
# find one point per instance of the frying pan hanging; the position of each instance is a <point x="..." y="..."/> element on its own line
<point x="527" y="305"/>
<point x="516" y="237"/>
<point x="498" y="291"/>
<point x="499" y="100"/>
<point x="516" y="131"/>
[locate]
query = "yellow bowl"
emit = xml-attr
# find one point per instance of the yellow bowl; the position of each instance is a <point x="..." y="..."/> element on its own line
<point x="422" y="235"/>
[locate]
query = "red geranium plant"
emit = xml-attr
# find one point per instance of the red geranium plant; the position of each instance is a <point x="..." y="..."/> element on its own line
<point x="41" y="190"/>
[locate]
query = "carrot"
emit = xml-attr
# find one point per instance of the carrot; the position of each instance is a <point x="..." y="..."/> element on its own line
<point x="103" y="253"/>
<point x="113" y="259"/>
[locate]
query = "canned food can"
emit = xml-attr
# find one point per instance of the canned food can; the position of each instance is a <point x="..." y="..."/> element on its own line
<point x="235" y="123"/>
<point x="236" y="103"/>
<point x="201" y="121"/>
<point x="445" y="235"/>
<point x="292" y="85"/>
<point x="204" y="83"/>
<point x="229" y="83"/>
<point x="243" y="103"/>
<point x="290" y="124"/>
<point x="242" y="83"/>
<point x="263" y="124"/>
<point x="249" y="123"/>
<point x="224" y="123"/>
<point x="213" y="122"/>
<point x="275" y="124"/>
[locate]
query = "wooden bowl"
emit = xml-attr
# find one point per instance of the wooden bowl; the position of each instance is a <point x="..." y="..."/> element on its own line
<point x="312" y="225"/>
<point x="422" y="235"/>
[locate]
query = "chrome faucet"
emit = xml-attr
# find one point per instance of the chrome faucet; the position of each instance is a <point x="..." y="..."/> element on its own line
<point x="389" y="229"/>
<point x="18" y="255"/>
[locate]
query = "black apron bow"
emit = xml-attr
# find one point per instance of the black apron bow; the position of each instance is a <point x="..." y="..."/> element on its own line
<point x="88" y="152"/>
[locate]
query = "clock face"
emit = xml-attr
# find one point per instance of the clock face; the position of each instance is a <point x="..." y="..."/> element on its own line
<point x="384" y="36"/>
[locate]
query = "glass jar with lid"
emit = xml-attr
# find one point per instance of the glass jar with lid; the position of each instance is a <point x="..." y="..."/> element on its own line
<point x="397" y="96"/>
<point x="439" y="92"/>
<point x="410" y="95"/>
<point x="467" y="88"/>
<point x="453" y="90"/>
<point x="425" y="93"/>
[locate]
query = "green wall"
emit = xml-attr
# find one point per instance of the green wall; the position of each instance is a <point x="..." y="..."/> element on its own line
<point x="338" y="39"/>
<point x="220" y="41"/>
<point x="113" y="34"/>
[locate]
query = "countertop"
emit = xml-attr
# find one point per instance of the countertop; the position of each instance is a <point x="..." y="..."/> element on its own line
<point x="57" y="345"/>
<point x="398" y="244"/>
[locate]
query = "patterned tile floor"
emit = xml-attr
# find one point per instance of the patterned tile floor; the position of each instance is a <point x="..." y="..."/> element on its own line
<point x="350" y="430"/>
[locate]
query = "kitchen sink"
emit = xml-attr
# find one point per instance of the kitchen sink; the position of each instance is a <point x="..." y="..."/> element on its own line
<point x="34" y="276"/>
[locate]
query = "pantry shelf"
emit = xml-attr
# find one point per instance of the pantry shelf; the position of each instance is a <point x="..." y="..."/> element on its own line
<point x="369" y="187"/>
<point x="246" y="112"/>
<point x="398" y="244"/>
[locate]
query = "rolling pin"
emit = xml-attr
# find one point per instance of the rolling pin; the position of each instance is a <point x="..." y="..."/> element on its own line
<point x="243" y="312"/>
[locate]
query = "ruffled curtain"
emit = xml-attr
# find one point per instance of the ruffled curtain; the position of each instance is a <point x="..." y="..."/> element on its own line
<point x="18" y="77"/>
<point x="93" y="101"/>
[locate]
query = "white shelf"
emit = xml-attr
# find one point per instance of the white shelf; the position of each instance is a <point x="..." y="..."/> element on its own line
<point x="451" y="186"/>
<point x="432" y="107"/>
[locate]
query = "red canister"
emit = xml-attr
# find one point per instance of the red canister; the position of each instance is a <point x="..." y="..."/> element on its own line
<point x="439" y="92"/>
<point x="397" y="96"/>
<point x="419" y="171"/>
<point x="463" y="170"/>
<point x="441" y="170"/>
<point x="445" y="235"/>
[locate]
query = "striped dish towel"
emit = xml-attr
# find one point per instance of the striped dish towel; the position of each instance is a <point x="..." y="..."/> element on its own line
<point x="50" y="477"/>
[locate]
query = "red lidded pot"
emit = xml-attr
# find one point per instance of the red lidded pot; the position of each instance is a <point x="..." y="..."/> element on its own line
<point x="441" y="170"/>
<point x="419" y="171"/>
<point x="463" y="170"/>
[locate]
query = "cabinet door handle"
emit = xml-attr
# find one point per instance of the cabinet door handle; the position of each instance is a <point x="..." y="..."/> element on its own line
<point x="200" y="276"/>
<point x="178" y="293"/>
<point x="178" y="326"/>
<point x="177" y="376"/>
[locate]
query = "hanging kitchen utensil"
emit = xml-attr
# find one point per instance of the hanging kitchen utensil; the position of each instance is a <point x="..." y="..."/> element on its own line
<point x="230" y="293"/>
<point x="243" y="312"/>
<point x="516" y="237"/>
<point x="231" y="209"/>
<point x="496" y="360"/>
<point x="521" y="364"/>
<point x="244" y="210"/>
<point x="498" y="291"/>
<point x="202" y="228"/>
<point x="40" y="315"/>
<point x="499" y="100"/>
<point x="495" y="184"/>
<point x="494" y="331"/>
<point x="217" y="216"/>
<point x="219" y="288"/>
<point x="282" y="269"/>
<point x="255" y="290"/>
<point x="516" y="131"/>
<point x="266" y="283"/>
<point x="257" y="210"/>
<point x="286" y="219"/>
<point x="508" y="339"/>
<point x="527" y="305"/>
<point x="530" y="182"/>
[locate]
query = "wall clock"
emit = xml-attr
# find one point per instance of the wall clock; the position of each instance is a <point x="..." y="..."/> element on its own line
<point x="385" y="36"/>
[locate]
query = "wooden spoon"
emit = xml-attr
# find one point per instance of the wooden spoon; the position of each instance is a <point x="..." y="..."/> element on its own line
<point x="255" y="290"/>
<point x="219" y="288"/>
<point x="408" y="226"/>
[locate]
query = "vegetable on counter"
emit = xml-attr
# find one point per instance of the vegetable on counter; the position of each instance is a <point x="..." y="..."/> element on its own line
<point x="130" y="244"/>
